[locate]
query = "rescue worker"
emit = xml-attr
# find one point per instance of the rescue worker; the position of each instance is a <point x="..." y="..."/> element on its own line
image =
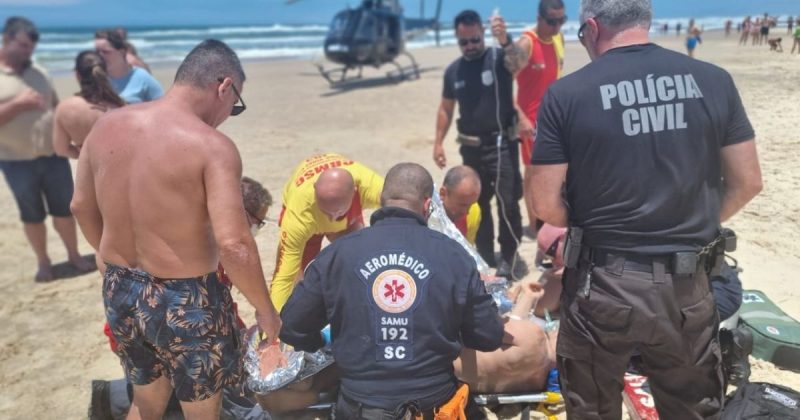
<point x="401" y="300"/>
<point x="656" y="150"/>
<point x="481" y="81"/>
<point x="459" y="192"/>
<point x="324" y="197"/>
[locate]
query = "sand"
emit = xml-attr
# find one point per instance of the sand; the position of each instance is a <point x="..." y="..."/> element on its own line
<point x="51" y="341"/>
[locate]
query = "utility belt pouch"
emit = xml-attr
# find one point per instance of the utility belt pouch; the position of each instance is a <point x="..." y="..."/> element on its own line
<point x="726" y="242"/>
<point x="572" y="246"/>
<point x="469" y="141"/>
<point x="684" y="263"/>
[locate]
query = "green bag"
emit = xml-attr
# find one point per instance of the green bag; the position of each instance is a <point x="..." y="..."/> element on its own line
<point x="776" y="336"/>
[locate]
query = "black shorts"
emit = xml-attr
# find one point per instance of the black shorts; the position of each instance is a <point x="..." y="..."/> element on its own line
<point x="34" y="182"/>
<point x="182" y="328"/>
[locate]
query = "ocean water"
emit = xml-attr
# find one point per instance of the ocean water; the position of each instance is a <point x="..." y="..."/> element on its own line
<point x="58" y="48"/>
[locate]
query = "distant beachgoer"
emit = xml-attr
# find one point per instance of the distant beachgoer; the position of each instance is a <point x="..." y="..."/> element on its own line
<point x="74" y="117"/>
<point x="755" y="32"/>
<point x="728" y="26"/>
<point x="745" y="30"/>
<point x="33" y="172"/>
<point x="796" y="40"/>
<point x="133" y="84"/>
<point x="789" y="24"/>
<point x="665" y="28"/>
<point x="764" y="32"/>
<point x="132" y="55"/>
<point x="692" y="40"/>
<point x="678" y="27"/>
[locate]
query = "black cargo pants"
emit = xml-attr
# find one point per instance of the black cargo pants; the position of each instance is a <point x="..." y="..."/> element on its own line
<point x="631" y="305"/>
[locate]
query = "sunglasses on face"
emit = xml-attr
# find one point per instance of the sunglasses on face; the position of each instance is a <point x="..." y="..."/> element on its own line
<point x="466" y="41"/>
<point x="582" y="28"/>
<point x="556" y="21"/>
<point x="237" y="109"/>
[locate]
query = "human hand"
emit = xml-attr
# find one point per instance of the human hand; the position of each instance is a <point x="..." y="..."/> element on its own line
<point x="533" y="290"/>
<point x="499" y="30"/>
<point x="29" y="99"/>
<point x="439" y="156"/>
<point x="269" y="322"/>
<point x="525" y="127"/>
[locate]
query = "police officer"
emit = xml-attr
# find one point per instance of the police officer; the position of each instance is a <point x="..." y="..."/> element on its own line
<point x="656" y="150"/>
<point x="401" y="300"/>
<point x="481" y="81"/>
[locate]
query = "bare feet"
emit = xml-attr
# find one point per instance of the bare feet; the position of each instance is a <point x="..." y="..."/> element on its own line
<point x="82" y="264"/>
<point x="44" y="274"/>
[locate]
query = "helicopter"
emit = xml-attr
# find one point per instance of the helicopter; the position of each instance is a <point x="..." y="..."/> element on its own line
<point x="373" y="34"/>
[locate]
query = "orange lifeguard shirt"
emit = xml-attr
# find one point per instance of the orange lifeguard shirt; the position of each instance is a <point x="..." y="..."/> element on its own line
<point x="544" y="67"/>
<point x="301" y="219"/>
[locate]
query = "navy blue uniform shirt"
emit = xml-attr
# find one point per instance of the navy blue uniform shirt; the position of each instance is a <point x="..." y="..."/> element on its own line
<point x="401" y="300"/>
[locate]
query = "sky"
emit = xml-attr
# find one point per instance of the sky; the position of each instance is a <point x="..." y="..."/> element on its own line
<point x="81" y="13"/>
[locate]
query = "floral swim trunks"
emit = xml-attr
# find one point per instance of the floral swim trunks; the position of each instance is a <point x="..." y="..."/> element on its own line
<point x="182" y="328"/>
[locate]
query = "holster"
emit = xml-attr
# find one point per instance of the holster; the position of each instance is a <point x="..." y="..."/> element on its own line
<point x="726" y="242"/>
<point x="455" y="408"/>
<point x="572" y="246"/>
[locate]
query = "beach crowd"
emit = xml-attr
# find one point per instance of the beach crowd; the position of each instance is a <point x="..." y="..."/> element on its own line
<point x="626" y="170"/>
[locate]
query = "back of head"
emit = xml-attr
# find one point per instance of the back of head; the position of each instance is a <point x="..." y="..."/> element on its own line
<point x="619" y="14"/>
<point x="93" y="78"/>
<point x="467" y="18"/>
<point x="545" y="5"/>
<point x="457" y="174"/>
<point x="407" y="185"/>
<point x="18" y="24"/>
<point x="113" y="37"/>
<point x="254" y="196"/>
<point x="207" y="62"/>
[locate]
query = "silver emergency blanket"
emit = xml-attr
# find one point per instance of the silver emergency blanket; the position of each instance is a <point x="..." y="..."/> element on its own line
<point x="299" y="365"/>
<point x="498" y="288"/>
<point x="439" y="222"/>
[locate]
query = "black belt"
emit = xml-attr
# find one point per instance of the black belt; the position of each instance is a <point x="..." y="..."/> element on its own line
<point x="630" y="262"/>
<point x="381" y="413"/>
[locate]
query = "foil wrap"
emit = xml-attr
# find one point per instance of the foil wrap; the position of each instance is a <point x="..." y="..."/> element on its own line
<point x="498" y="288"/>
<point x="439" y="222"/>
<point x="300" y="365"/>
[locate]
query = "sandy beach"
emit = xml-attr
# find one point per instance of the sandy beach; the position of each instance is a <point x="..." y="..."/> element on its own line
<point x="51" y="340"/>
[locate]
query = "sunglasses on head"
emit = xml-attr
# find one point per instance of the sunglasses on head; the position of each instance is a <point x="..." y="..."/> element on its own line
<point x="237" y="109"/>
<point x="466" y="41"/>
<point x="556" y="21"/>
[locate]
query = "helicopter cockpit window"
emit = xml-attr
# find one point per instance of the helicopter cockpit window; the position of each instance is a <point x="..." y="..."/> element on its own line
<point x="339" y="24"/>
<point x="366" y="28"/>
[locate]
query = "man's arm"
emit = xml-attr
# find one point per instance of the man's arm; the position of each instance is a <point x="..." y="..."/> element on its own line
<point x="237" y="248"/>
<point x="304" y="315"/>
<point x="517" y="55"/>
<point x="27" y="100"/>
<point x="741" y="174"/>
<point x="545" y="191"/>
<point x="294" y="235"/>
<point x="443" y="120"/>
<point x="84" y="200"/>
<point x="482" y="328"/>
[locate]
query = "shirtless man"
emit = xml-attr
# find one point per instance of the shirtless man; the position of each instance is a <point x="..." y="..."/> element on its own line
<point x="524" y="361"/>
<point x="324" y="198"/>
<point x="157" y="195"/>
<point x="459" y="192"/>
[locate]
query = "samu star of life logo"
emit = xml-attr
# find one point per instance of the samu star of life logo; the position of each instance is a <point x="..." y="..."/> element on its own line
<point x="394" y="291"/>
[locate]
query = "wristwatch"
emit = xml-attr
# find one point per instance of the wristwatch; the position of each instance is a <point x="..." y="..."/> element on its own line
<point x="509" y="41"/>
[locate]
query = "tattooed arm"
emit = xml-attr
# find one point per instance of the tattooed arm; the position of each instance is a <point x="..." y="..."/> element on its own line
<point x="517" y="54"/>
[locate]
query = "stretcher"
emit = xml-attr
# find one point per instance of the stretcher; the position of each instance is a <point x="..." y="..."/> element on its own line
<point x="548" y="404"/>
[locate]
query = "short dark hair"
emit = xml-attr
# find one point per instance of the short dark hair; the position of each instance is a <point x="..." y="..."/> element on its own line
<point x="456" y="174"/>
<point x="468" y="18"/>
<point x="113" y="37"/>
<point x="17" y="24"/>
<point x="545" y="5"/>
<point x="254" y="196"/>
<point x="409" y="182"/>
<point x="207" y="62"/>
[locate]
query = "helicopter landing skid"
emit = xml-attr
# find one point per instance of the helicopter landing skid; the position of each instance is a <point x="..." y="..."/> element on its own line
<point x="405" y="73"/>
<point x="338" y="75"/>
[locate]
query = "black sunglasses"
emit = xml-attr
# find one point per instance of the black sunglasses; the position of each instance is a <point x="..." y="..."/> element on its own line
<point x="261" y="222"/>
<point x="465" y="41"/>
<point x="583" y="27"/>
<point x="237" y="109"/>
<point x="556" y="21"/>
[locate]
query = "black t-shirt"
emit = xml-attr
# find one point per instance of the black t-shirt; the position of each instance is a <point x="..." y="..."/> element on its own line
<point x="472" y="84"/>
<point x="641" y="128"/>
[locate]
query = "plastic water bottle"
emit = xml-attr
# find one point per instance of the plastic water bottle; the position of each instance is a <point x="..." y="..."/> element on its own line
<point x="552" y="381"/>
<point x="326" y="335"/>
